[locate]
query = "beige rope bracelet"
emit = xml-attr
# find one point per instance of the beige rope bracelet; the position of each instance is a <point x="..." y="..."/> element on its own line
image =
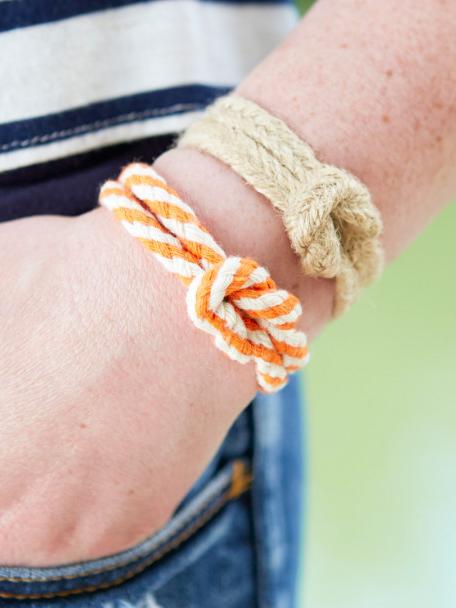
<point x="331" y="221"/>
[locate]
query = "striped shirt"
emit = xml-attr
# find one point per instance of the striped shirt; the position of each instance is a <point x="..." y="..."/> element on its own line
<point x="79" y="75"/>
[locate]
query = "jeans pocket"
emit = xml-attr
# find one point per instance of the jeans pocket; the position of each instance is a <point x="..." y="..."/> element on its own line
<point x="224" y="487"/>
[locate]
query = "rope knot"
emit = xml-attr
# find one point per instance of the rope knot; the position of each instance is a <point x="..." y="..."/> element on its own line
<point x="237" y="302"/>
<point x="334" y="229"/>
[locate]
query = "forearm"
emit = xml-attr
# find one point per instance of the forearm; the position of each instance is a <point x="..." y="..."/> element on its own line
<point x="372" y="87"/>
<point x="372" y="91"/>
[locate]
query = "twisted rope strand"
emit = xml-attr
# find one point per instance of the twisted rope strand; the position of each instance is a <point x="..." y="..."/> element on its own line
<point x="231" y="298"/>
<point x="329" y="216"/>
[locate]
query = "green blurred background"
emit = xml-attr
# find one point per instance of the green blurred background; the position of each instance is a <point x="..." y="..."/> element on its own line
<point x="381" y="520"/>
<point x="381" y="523"/>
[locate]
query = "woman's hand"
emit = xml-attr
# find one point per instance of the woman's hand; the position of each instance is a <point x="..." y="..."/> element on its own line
<point x="111" y="402"/>
<point x="107" y="415"/>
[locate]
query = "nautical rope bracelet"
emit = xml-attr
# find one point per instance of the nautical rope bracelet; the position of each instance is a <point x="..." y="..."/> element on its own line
<point x="231" y="298"/>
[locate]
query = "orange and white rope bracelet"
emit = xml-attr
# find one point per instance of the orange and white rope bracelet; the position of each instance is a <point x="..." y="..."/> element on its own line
<point x="231" y="298"/>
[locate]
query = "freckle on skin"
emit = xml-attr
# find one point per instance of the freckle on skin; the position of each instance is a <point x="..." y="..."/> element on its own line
<point x="385" y="118"/>
<point x="389" y="73"/>
<point x="343" y="45"/>
<point x="438" y="139"/>
<point x="83" y="425"/>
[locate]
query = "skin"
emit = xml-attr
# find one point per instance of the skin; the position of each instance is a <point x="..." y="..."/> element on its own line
<point x="107" y="413"/>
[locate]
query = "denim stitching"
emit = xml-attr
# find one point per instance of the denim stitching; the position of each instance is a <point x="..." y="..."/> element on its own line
<point x="101" y="124"/>
<point x="185" y="535"/>
<point x="120" y="564"/>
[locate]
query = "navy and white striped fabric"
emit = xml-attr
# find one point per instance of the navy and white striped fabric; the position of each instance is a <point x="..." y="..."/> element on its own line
<point x="79" y="75"/>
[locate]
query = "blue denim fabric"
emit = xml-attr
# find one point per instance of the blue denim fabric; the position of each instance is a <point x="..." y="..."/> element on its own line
<point x="227" y="546"/>
<point x="277" y="491"/>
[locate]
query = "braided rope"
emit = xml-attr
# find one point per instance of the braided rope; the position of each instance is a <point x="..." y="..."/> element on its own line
<point x="329" y="216"/>
<point x="231" y="298"/>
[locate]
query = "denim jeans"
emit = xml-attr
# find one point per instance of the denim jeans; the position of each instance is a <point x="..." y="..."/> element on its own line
<point x="234" y="541"/>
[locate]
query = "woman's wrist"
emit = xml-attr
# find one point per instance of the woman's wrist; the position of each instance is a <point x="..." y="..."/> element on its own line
<point x="245" y="223"/>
